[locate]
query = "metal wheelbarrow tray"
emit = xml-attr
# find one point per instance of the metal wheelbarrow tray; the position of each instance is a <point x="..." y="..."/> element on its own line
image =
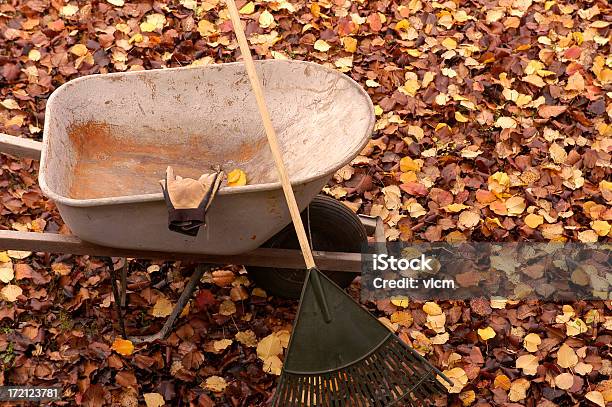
<point x="109" y="138"/>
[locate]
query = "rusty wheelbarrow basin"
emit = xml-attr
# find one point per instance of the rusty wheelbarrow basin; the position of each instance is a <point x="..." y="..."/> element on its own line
<point x="109" y="138"/>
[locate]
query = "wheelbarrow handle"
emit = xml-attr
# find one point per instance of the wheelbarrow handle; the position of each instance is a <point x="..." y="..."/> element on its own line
<point x="20" y="147"/>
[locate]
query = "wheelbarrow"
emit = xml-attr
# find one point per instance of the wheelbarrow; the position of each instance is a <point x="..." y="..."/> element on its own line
<point x="108" y="140"/>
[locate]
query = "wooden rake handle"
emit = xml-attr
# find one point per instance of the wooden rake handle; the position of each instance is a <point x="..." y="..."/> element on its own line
<point x="271" y="134"/>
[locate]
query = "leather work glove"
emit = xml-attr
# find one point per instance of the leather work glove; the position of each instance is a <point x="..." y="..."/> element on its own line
<point x="189" y="199"/>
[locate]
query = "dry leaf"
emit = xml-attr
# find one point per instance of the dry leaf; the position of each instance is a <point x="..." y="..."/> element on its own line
<point x="10" y="292"/>
<point x="162" y="308"/>
<point x="431" y="308"/>
<point x="459" y="378"/>
<point x="215" y="384"/>
<point x="486" y="333"/>
<point x="247" y="338"/>
<point x="531" y="342"/>
<point x="566" y="357"/>
<point x="154" y="400"/>
<point x="596" y="397"/>
<point x="123" y="347"/>
<point x="518" y="389"/>
<point x="528" y="363"/>
<point x="564" y="381"/>
<point x="269" y="346"/>
<point x="236" y="178"/>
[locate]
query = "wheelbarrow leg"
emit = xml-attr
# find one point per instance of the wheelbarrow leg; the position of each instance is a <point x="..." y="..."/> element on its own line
<point x="116" y="296"/>
<point x="178" y="308"/>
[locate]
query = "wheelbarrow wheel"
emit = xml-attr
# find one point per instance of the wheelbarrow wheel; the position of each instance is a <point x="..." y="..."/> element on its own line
<point x="333" y="227"/>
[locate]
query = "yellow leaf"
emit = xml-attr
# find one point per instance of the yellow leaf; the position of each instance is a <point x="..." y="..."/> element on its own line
<point x="557" y="153"/>
<point x="408" y="164"/>
<point x="459" y="378"/>
<point x="402" y="25"/>
<point x="498" y="182"/>
<point x="502" y="381"/>
<point x="596" y="397"/>
<point x="588" y="236"/>
<point x="248" y="8"/>
<point x="468" y="219"/>
<point x="370" y="83"/>
<point x="449" y="43"/>
<point x="236" y="178"/>
<point x="321" y="45"/>
<point x="467" y="397"/>
<point x="157" y="20"/>
<point x="601" y="227"/>
<point x="247" y="338"/>
<point x="506" y="122"/>
<point x="266" y="19"/>
<point x="436" y="322"/>
<point x="206" y="28"/>
<point x="18" y="254"/>
<point x="564" y="381"/>
<point x="431" y="308"/>
<point x="518" y="389"/>
<point x="575" y="327"/>
<point x="117" y="3"/>
<point x="566" y="357"/>
<point x="528" y="363"/>
<point x="154" y="400"/>
<point x="123" y="347"/>
<point x="79" y="50"/>
<point x="221" y="344"/>
<point x="162" y="307"/>
<point x="460" y="118"/>
<point x="403" y="318"/>
<point x="69" y="10"/>
<point x="533" y="221"/>
<point x="10" y="104"/>
<point x="350" y="44"/>
<point x="6" y="272"/>
<point x="10" y="292"/>
<point x="34" y="55"/>
<point x="515" y="205"/>
<point x="498" y="302"/>
<point x="272" y="365"/>
<point x="227" y="308"/>
<point x="269" y="346"/>
<point x="455" y="207"/>
<point x="215" y="384"/>
<point x="531" y="342"/>
<point x="486" y="333"/>
<point x="400" y="302"/>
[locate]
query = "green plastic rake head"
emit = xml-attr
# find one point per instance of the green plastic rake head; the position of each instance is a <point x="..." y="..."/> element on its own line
<point x="341" y="355"/>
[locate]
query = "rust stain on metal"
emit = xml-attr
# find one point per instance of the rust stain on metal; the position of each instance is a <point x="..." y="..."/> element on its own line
<point x="112" y="161"/>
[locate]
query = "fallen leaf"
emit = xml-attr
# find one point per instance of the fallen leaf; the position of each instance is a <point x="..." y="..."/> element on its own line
<point x="269" y="346"/>
<point x="162" y="308"/>
<point x="321" y="45"/>
<point x="596" y="397"/>
<point x="486" y="333"/>
<point x="10" y="292"/>
<point x="566" y="357"/>
<point x="528" y="363"/>
<point x="236" y="178"/>
<point x="459" y="378"/>
<point x="154" y="400"/>
<point x="431" y="308"/>
<point x="123" y="347"/>
<point x="518" y="389"/>
<point x="564" y="381"/>
<point x="531" y="342"/>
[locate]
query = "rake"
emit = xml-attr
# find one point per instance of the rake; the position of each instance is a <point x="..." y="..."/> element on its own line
<point x="338" y="354"/>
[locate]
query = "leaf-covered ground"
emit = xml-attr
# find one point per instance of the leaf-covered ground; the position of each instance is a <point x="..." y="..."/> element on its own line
<point x="494" y="123"/>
